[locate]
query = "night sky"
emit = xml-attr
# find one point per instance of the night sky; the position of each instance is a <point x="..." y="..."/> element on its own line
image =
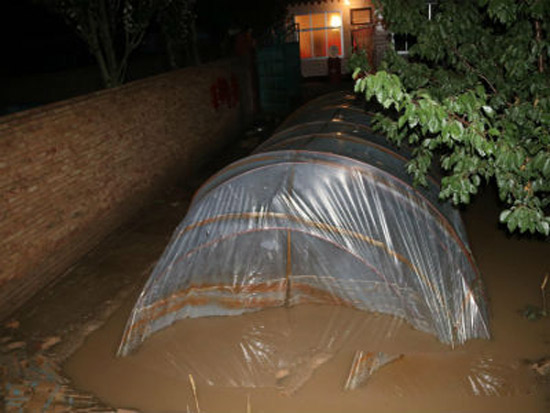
<point x="44" y="60"/>
<point x="35" y="40"/>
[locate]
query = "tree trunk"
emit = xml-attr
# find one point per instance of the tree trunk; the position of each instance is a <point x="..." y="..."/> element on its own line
<point x="539" y="39"/>
<point x="171" y="54"/>
<point x="193" y="44"/>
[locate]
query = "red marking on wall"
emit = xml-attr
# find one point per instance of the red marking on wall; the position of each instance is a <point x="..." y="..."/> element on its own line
<point x="224" y="92"/>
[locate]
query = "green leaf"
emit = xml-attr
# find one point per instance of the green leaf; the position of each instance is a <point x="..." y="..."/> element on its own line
<point x="504" y="215"/>
<point x="401" y="121"/>
<point x="546" y="167"/>
<point x="489" y="110"/>
<point x="494" y="132"/>
<point x="512" y="223"/>
<point x="456" y="130"/>
<point x="543" y="227"/>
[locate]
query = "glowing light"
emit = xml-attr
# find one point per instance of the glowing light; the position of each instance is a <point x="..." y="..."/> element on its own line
<point x="335" y="20"/>
<point x="346" y="2"/>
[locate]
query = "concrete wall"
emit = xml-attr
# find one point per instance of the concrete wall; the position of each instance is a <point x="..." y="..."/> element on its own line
<point x="73" y="171"/>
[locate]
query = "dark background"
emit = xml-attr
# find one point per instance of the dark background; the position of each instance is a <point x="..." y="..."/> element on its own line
<point x="44" y="60"/>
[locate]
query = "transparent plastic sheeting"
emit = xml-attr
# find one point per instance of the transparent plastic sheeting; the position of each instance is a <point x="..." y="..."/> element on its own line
<point x="322" y="213"/>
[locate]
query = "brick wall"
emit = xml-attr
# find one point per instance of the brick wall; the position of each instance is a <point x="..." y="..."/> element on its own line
<point x="73" y="171"/>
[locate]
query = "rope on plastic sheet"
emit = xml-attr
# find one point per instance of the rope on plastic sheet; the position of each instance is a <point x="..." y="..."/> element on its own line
<point x="325" y="227"/>
<point x="161" y="308"/>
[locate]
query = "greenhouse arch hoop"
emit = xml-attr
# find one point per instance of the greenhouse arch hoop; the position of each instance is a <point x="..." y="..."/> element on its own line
<point x="323" y="212"/>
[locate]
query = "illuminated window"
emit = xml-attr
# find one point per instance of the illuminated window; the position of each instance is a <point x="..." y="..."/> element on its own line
<point x="318" y="33"/>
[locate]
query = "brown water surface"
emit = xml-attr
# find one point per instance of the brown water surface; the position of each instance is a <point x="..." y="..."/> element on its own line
<point x="299" y="358"/>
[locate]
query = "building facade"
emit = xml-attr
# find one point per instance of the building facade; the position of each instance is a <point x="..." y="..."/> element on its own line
<point x="334" y="28"/>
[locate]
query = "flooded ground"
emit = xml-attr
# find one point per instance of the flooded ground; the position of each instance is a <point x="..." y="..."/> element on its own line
<point x="301" y="356"/>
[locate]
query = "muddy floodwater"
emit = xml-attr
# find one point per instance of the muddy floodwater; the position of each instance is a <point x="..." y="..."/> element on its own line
<point x="298" y="359"/>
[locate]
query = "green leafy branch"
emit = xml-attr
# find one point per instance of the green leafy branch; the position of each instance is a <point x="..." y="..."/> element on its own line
<point x="467" y="136"/>
<point x="474" y="96"/>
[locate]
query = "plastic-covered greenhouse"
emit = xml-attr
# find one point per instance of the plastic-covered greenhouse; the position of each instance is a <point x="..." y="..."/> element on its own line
<point x="322" y="213"/>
